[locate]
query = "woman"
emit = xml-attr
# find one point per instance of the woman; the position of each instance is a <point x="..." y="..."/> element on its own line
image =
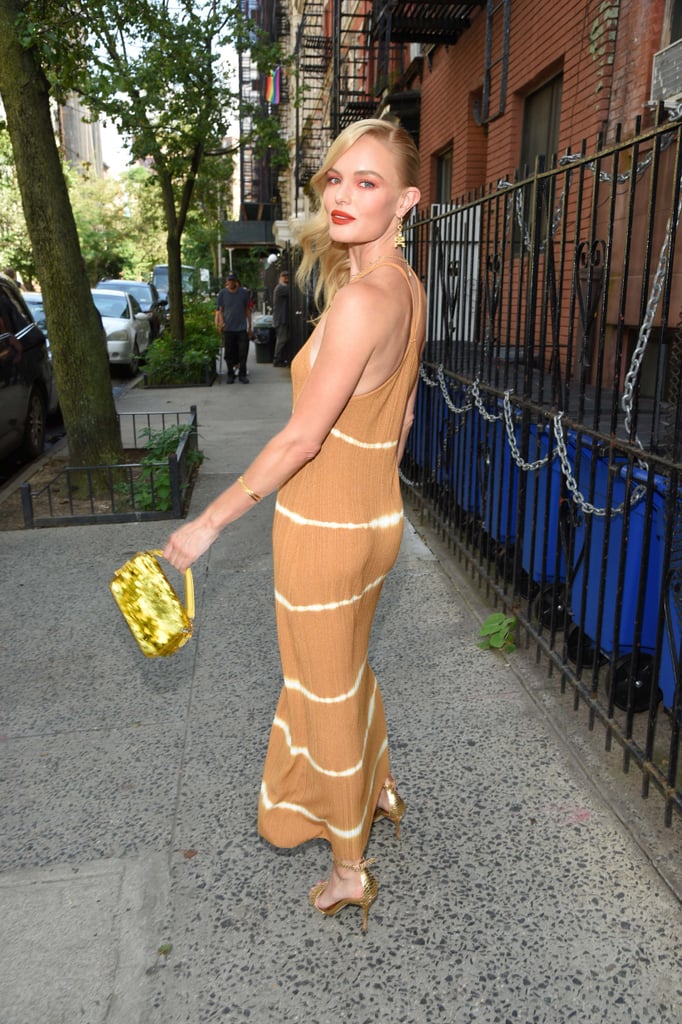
<point x="338" y="519"/>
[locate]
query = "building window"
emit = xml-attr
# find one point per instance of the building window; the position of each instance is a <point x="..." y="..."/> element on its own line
<point x="444" y="176"/>
<point x="541" y="113"/>
<point x="675" y="20"/>
<point x="540" y="138"/>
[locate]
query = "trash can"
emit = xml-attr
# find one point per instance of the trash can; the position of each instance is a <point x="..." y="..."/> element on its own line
<point x="264" y="339"/>
<point x="614" y="624"/>
<point x="499" y="481"/>
<point x="542" y="554"/>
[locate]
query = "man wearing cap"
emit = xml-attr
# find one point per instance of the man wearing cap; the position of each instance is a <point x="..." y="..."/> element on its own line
<point x="233" y="317"/>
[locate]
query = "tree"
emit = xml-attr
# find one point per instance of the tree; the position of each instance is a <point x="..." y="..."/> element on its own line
<point x="203" y="244"/>
<point x="15" y="245"/>
<point x="155" y="69"/>
<point x="80" y="359"/>
<point x="119" y="223"/>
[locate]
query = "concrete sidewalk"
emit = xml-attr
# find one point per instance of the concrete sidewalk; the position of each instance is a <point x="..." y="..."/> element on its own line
<point x="133" y="885"/>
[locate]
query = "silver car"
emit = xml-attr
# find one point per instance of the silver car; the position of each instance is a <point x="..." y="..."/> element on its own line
<point x="126" y="325"/>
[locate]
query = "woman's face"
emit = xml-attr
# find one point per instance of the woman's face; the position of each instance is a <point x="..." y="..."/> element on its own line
<point x="362" y="195"/>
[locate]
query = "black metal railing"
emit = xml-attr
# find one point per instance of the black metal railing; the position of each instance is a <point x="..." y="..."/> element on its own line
<point x="547" y="446"/>
<point x="136" y="491"/>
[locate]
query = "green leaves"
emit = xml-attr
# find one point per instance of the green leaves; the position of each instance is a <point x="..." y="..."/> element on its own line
<point x="496" y="632"/>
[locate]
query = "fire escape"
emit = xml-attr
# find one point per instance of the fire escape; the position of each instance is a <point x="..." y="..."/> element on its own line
<point x="352" y="96"/>
<point x="372" y="51"/>
<point x="258" y="179"/>
<point x="435" y="23"/>
<point x="313" y="53"/>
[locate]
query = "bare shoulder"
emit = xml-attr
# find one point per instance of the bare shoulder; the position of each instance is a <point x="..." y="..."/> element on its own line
<point x="378" y="292"/>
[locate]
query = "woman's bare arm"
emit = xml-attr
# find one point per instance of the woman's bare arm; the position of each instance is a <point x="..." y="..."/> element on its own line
<point x="352" y="332"/>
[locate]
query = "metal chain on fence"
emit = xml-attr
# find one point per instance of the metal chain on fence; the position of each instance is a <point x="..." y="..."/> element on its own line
<point x="603" y="176"/>
<point x="518" y="206"/>
<point x="560" y="452"/>
<point x="632" y="375"/>
<point x="441" y="382"/>
<point x="638" y="493"/>
<point x="527" y="467"/>
<point x="622" y="179"/>
<point x="478" y="402"/>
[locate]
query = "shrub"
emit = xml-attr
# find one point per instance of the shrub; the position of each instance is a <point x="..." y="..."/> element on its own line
<point x="152" y="487"/>
<point x="170" y="361"/>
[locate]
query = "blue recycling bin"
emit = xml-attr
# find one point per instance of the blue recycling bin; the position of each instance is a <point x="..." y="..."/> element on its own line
<point x="670" y="653"/>
<point x="542" y="555"/>
<point x="617" y="626"/>
<point x="500" y="481"/>
<point x="446" y="443"/>
<point x="465" y="470"/>
<point x="670" y="669"/>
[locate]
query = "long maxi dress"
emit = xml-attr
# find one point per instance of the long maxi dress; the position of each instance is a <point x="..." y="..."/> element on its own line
<point x="337" y="530"/>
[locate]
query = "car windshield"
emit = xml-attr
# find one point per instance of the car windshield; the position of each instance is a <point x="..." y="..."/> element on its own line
<point x="111" y="305"/>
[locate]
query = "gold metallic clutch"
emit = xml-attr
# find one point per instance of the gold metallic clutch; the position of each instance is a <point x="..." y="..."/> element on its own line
<point x="150" y="605"/>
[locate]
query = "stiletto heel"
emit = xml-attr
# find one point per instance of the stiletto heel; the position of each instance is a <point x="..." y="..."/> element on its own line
<point x="396" y="807"/>
<point x="370" y="888"/>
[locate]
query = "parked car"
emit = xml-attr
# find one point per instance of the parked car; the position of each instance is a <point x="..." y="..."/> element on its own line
<point x="25" y="376"/>
<point x="126" y="325"/>
<point x="151" y="303"/>
<point x="36" y="308"/>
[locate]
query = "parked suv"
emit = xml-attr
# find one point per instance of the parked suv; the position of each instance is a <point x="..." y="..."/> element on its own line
<point x="25" y="376"/>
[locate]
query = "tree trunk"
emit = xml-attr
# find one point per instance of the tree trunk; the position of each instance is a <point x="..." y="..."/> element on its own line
<point x="176" y="218"/>
<point x="79" y="354"/>
<point x="174" y="255"/>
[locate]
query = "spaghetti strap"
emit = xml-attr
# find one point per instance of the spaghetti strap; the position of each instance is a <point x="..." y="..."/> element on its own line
<point x="404" y="268"/>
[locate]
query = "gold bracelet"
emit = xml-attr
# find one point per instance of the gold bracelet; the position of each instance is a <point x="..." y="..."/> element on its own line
<point x="251" y="494"/>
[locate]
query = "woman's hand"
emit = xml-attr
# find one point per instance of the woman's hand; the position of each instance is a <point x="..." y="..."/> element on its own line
<point x="188" y="543"/>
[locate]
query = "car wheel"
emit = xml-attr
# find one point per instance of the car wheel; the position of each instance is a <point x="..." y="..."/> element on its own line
<point x="134" y="364"/>
<point x="34" y="429"/>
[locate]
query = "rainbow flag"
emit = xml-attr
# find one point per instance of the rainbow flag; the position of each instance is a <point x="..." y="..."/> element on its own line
<point x="272" y="86"/>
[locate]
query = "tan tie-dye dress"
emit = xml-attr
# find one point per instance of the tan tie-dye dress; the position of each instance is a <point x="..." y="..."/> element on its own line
<point x="337" y="531"/>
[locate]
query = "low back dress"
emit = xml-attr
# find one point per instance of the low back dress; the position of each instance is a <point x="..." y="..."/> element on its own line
<point x="337" y="531"/>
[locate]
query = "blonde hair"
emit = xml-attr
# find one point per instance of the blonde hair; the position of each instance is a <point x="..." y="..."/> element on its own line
<point x="317" y="246"/>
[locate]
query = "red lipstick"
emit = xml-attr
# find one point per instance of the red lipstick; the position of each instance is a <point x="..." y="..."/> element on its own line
<point x="339" y="217"/>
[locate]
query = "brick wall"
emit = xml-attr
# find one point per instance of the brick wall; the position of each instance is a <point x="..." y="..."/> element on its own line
<point x="603" y="49"/>
<point x="640" y="32"/>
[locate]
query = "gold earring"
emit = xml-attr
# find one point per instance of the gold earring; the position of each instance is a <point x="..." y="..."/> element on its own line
<point x="399" y="240"/>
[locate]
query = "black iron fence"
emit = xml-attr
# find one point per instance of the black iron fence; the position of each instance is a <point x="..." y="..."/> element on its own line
<point x="144" y="489"/>
<point x="547" y="446"/>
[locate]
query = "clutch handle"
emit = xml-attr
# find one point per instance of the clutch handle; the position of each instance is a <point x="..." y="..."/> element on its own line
<point x="189" y="586"/>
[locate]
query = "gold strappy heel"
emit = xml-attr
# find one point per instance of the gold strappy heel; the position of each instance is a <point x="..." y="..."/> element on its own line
<point x="370" y="888"/>
<point x="396" y="807"/>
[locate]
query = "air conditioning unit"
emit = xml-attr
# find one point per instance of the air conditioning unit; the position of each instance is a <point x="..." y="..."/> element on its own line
<point x="666" y="74"/>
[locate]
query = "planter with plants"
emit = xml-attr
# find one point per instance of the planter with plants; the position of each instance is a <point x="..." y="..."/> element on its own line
<point x="156" y="483"/>
<point x="188" y="363"/>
